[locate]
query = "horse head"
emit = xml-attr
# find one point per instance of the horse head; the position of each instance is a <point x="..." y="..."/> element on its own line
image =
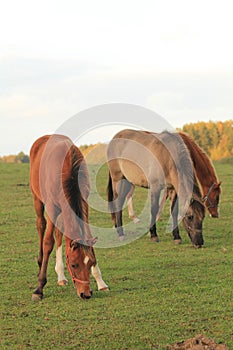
<point x="211" y="199"/>
<point x="80" y="257"/>
<point x="192" y="221"/>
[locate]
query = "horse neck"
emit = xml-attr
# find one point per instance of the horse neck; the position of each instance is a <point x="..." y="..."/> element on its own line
<point x="203" y="167"/>
<point x="205" y="173"/>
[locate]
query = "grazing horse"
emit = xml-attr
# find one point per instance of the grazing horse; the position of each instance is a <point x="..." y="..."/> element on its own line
<point x="154" y="161"/>
<point x="60" y="185"/>
<point x="206" y="175"/>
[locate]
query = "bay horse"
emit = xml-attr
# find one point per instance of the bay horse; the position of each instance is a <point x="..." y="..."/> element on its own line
<point x="59" y="183"/>
<point x="206" y="176"/>
<point x="154" y="161"/>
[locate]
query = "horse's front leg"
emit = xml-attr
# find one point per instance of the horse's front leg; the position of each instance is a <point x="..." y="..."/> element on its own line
<point x="96" y="273"/>
<point x="41" y="226"/>
<point x="59" y="267"/>
<point x="174" y="213"/>
<point x="154" y="210"/>
<point x="48" y="244"/>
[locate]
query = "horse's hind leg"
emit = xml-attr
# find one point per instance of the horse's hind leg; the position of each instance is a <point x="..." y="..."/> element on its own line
<point x="123" y="188"/>
<point x="48" y="243"/>
<point x="59" y="268"/>
<point x="41" y="226"/>
<point x="174" y="213"/>
<point x="154" y="211"/>
<point x="129" y="199"/>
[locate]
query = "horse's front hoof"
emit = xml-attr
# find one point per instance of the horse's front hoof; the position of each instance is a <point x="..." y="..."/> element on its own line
<point x="197" y="246"/>
<point x="62" y="283"/>
<point x="154" y="239"/>
<point x="177" y="241"/>
<point x="37" y="297"/>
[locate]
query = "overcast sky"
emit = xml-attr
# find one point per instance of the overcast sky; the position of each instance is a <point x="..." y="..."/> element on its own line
<point x="60" y="57"/>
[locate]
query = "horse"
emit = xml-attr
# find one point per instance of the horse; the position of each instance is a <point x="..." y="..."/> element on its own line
<point x="154" y="161"/>
<point x="206" y="175"/>
<point x="59" y="184"/>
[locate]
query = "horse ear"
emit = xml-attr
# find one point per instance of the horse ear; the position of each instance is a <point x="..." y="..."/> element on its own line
<point x="218" y="184"/>
<point x="73" y="244"/>
<point x="191" y="201"/>
<point x="195" y="198"/>
<point x="92" y="241"/>
<point x="89" y="242"/>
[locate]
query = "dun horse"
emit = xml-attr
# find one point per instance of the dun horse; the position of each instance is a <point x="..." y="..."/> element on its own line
<point x="155" y="161"/>
<point x="206" y="176"/>
<point x="60" y="185"/>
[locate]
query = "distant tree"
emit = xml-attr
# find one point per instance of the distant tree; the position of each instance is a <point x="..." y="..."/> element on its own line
<point x="216" y="138"/>
<point x="22" y="158"/>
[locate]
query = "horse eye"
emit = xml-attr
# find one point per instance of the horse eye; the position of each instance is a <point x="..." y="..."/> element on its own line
<point x="75" y="266"/>
<point x="190" y="217"/>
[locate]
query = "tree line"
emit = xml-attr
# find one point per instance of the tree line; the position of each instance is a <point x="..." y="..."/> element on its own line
<point x="21" y="157"/>
<point x="215" y="138"/>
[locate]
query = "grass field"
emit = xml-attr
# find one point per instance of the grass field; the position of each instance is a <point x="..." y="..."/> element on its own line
<point x="160" y="293"/>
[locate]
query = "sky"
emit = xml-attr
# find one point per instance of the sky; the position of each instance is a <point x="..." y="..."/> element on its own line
<point x="58" y="58"/>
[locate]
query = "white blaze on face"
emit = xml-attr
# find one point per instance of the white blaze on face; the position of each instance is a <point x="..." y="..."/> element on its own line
<point x="86" y="259"/>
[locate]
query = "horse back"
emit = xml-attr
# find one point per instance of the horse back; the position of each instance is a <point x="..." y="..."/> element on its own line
<point x="145" y="157"/>
<point x="53" y="160"/>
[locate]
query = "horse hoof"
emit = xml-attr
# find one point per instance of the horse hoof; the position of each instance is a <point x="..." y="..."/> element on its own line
<point x="105" y="289"/>
<point x="122" y="238"/>
<point x="37" y="297"/>
<point x="154" y="239"/>
<point x="136" y="220"/>
<point x="177" y="241"/>
<point x="62" y="283"/>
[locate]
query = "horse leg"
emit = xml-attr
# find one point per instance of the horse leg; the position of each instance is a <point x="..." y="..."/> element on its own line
<point x="174" y="213"/>
<point x="129" y="199"/>
<point x="59" y="267"/>
<point x="154" y="210"/>
<point x="96" y="273"/>
<point x="48" y="243"/>
<point x="162" y="203"/>
<point x="123" y="188"/>
<point x="41" y="226"/>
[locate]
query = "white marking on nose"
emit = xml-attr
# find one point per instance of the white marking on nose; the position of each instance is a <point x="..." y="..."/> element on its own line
<point x="86" y="260"/>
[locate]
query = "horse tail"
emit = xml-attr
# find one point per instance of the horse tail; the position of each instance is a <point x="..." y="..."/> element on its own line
<point x="110" y="197"/>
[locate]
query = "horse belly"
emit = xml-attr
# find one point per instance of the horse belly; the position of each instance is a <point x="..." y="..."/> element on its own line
<point x="134" y="174"/>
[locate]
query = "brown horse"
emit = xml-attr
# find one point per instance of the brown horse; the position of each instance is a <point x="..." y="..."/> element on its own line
<point x="60" y="184"/>
<point x="154" y="161"/>
<point x="206" y="175"/>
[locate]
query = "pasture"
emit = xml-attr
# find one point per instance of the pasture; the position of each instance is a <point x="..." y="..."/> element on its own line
<point x="160" y="293"/>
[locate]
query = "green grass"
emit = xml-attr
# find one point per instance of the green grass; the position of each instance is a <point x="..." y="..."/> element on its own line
<point x="160" y="293"/>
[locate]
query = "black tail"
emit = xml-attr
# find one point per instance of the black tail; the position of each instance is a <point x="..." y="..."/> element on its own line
<point x="111" y="198"/>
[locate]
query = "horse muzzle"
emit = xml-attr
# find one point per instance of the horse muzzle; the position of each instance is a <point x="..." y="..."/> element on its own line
<point x="214" y="215"/>
<point x="85" y="295"/>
